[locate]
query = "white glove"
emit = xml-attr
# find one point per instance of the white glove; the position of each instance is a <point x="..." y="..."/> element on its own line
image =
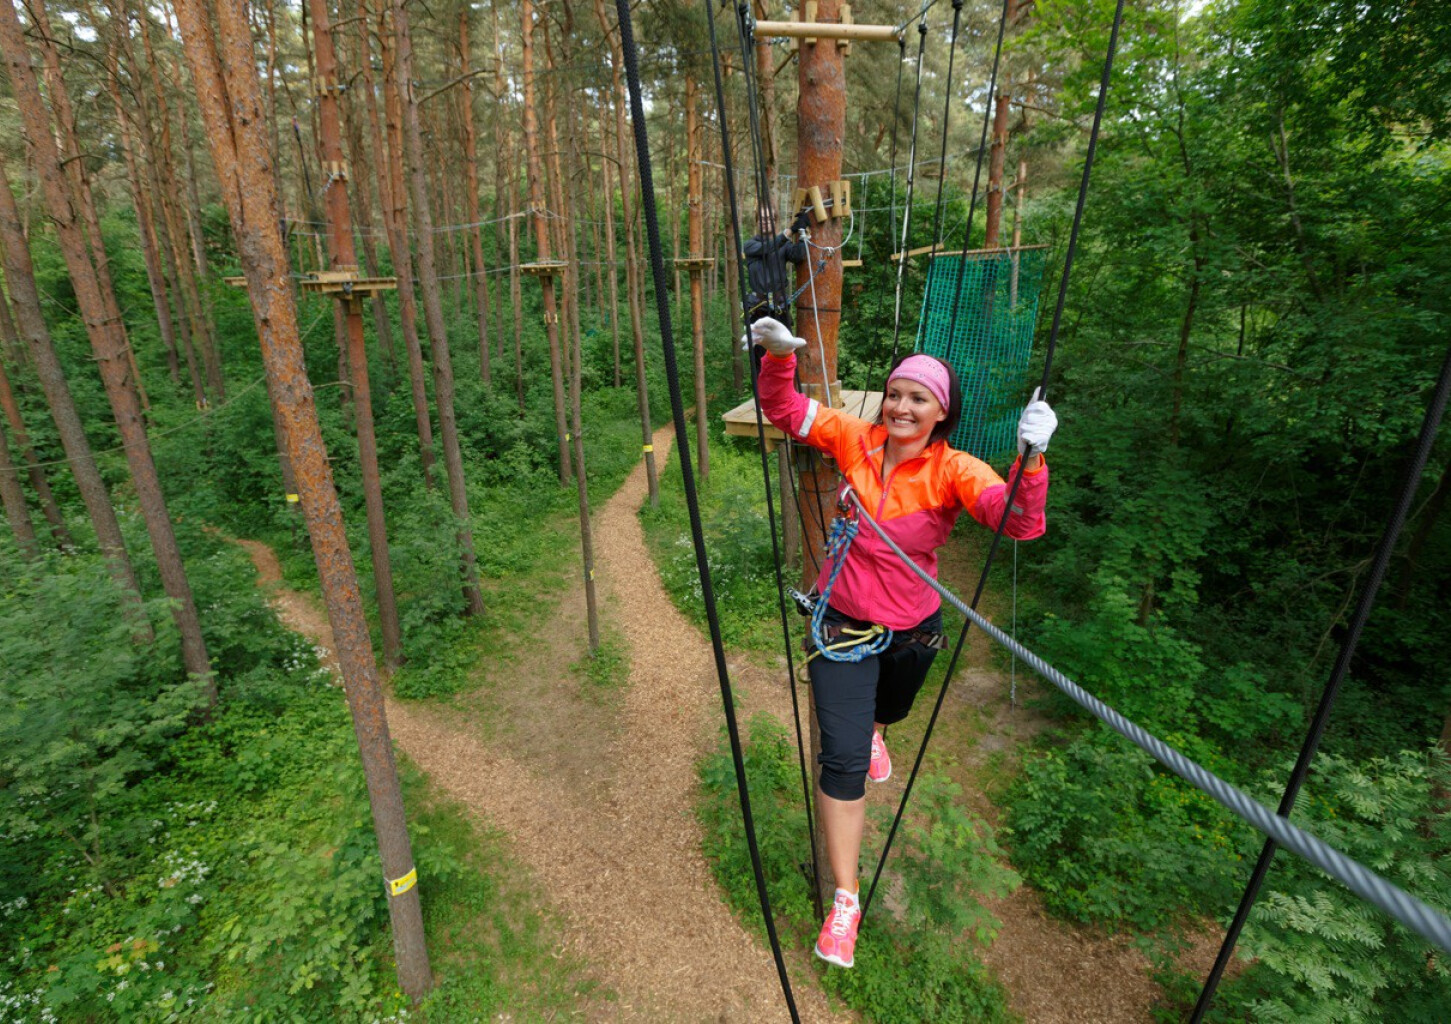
<point x="1036" y="426"/>
<point x="773" y="336"/>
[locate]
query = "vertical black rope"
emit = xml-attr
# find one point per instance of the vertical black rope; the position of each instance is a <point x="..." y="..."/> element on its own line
<point x="987" y="114"/>
<point x="728" y="164"/>
<point x="946" y="124"/>
<point x="687" y="477"/>
<point x="1017" y="477"/>
<point x="1424" y="442"/>
<point x="911" y="190"/>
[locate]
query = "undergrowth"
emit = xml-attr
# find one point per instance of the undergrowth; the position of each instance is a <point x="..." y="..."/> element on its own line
<point x="184" y="868"/>
<point x="916" y="959"/>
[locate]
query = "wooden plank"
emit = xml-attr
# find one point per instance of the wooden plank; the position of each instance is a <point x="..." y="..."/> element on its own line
<point x="920" y="250"/>
<point x="813" y="30"/>
<point x="741" y="421"/>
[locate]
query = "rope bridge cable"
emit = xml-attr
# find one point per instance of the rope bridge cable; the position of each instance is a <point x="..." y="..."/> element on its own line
<point x="1428" y="922"/>
<point x="728" y="166"/>
<point x="682" y="447"/>
<point x="1017" y="478"/>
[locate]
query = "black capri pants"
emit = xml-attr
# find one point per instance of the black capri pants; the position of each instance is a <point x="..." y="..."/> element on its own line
<point x="851" y="695"/>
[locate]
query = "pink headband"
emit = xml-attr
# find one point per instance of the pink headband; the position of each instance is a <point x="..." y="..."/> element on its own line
<point x="928" y="372"/>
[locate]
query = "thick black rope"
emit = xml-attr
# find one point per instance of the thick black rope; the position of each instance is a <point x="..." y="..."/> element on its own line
<point x="687" y="477"/>
<point x="987" y="114"/>
<point x="1427" y="438"/>
<point x="911" y="189"/>
<point x="728" y="162"/>
<point x="765" y="201"/>
<point x="1017" y="478"/>
<point x="946" y="124"/>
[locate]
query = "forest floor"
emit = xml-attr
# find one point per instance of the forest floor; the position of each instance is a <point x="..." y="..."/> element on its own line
<point x="596" y="792"/>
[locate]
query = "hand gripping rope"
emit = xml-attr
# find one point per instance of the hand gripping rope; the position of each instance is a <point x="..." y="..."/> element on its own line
<point x="858" y="645"/>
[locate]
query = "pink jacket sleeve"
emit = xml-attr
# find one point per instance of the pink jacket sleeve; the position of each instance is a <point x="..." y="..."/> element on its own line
<point x="799" y="417"/>
<point x="1026" y="520"/>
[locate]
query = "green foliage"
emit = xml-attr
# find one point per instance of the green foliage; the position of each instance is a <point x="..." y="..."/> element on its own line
<point x="1105" y="836"/>
<point x="919" y="965"/>
<point x="738" y="548"/>
<point x="1322" y="954"/>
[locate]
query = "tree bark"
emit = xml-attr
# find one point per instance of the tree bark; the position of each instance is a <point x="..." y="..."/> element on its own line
<point x="634" y="287"/>
<point x="696" y="242"/>
<point x="344" y="257"/>
<point x="551" y="326"/>
<point x="395" y="217"/>
<point x="433" y="315"/>
<point x="34" y="471"/>
<point x="12" y="496"/>
<point x="541" y="239"/>
<point x="360" y="158"/>
<point x="103" y="323"/>
<point x="471" y="167"/>
<point x="232" y="107"/>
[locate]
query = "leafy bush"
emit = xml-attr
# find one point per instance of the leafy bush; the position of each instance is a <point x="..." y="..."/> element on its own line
<point x="1321" y="954"/>
<point x="738" y="548"/>
<point x="1106" y="836"/>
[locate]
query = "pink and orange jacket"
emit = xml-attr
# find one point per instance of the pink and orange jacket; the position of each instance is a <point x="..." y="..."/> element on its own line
<point x="917" y="504"/>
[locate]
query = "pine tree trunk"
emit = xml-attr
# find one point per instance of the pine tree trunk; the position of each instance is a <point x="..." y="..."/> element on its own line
<point x="433" y="314"/>
<point x="239" y="151"/>
<point x="20" y="276"/>
<point x="541" y="238"/>
<point x="362" y="194"/>
<point x="610" y="255"/>
<point x="344" y="257"/>
<point x="103" y="321"/>
<point x="551" y="323"/>
<point x="34" y="471"/>
<point x="476" y="235"/>
<point x="395" y="218"/>
<point x="12" y="496"/>
<point x="634" y="287"/>
<point x="697" y="300"/>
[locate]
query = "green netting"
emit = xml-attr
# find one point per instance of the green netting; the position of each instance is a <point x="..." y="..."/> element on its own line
<point x="991" y="344"/>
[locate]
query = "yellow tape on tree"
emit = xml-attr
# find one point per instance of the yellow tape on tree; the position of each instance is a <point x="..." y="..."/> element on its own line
<point x="398" y="886"/>
<point x="649" y="447"/>
<point x="293" y="499"/>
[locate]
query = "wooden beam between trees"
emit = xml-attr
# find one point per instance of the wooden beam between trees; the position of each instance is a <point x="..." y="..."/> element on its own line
<point x="813" y="30"/>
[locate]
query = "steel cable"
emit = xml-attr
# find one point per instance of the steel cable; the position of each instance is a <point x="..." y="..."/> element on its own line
<point x="1428" y="922"/>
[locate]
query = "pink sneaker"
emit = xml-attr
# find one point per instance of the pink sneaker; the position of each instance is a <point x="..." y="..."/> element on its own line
<point x="880" y="770"/>
<point x="837" y="942"/>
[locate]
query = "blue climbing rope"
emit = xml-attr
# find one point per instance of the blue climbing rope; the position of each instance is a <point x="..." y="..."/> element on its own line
<point x="859" y="644"/>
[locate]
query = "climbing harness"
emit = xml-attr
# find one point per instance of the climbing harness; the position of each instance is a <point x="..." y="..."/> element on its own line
<point x="844" y="643"/>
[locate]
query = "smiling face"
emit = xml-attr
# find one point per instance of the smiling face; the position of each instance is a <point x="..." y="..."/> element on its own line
<point x="909" y="411"/>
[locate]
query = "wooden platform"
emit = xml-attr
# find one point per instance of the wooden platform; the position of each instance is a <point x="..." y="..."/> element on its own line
<point x="346" y="282"/>
<point x="694" y="262"/>
<point x="544" y="268"/>
<point x="741" y="420"/>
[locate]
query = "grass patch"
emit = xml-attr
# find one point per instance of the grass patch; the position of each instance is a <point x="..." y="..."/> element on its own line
<point x="607" y="670"/>
<point x="738" y="548"/>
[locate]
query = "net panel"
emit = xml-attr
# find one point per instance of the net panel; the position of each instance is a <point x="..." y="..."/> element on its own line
<point x="991" y="343"/>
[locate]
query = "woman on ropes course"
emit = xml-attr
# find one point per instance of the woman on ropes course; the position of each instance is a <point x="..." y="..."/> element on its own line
<point x="876" y="626"/>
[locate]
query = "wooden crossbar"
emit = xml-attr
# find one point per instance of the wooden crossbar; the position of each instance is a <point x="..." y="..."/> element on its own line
<point x="825" y="30"/>
<point x="921" y="250"/>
